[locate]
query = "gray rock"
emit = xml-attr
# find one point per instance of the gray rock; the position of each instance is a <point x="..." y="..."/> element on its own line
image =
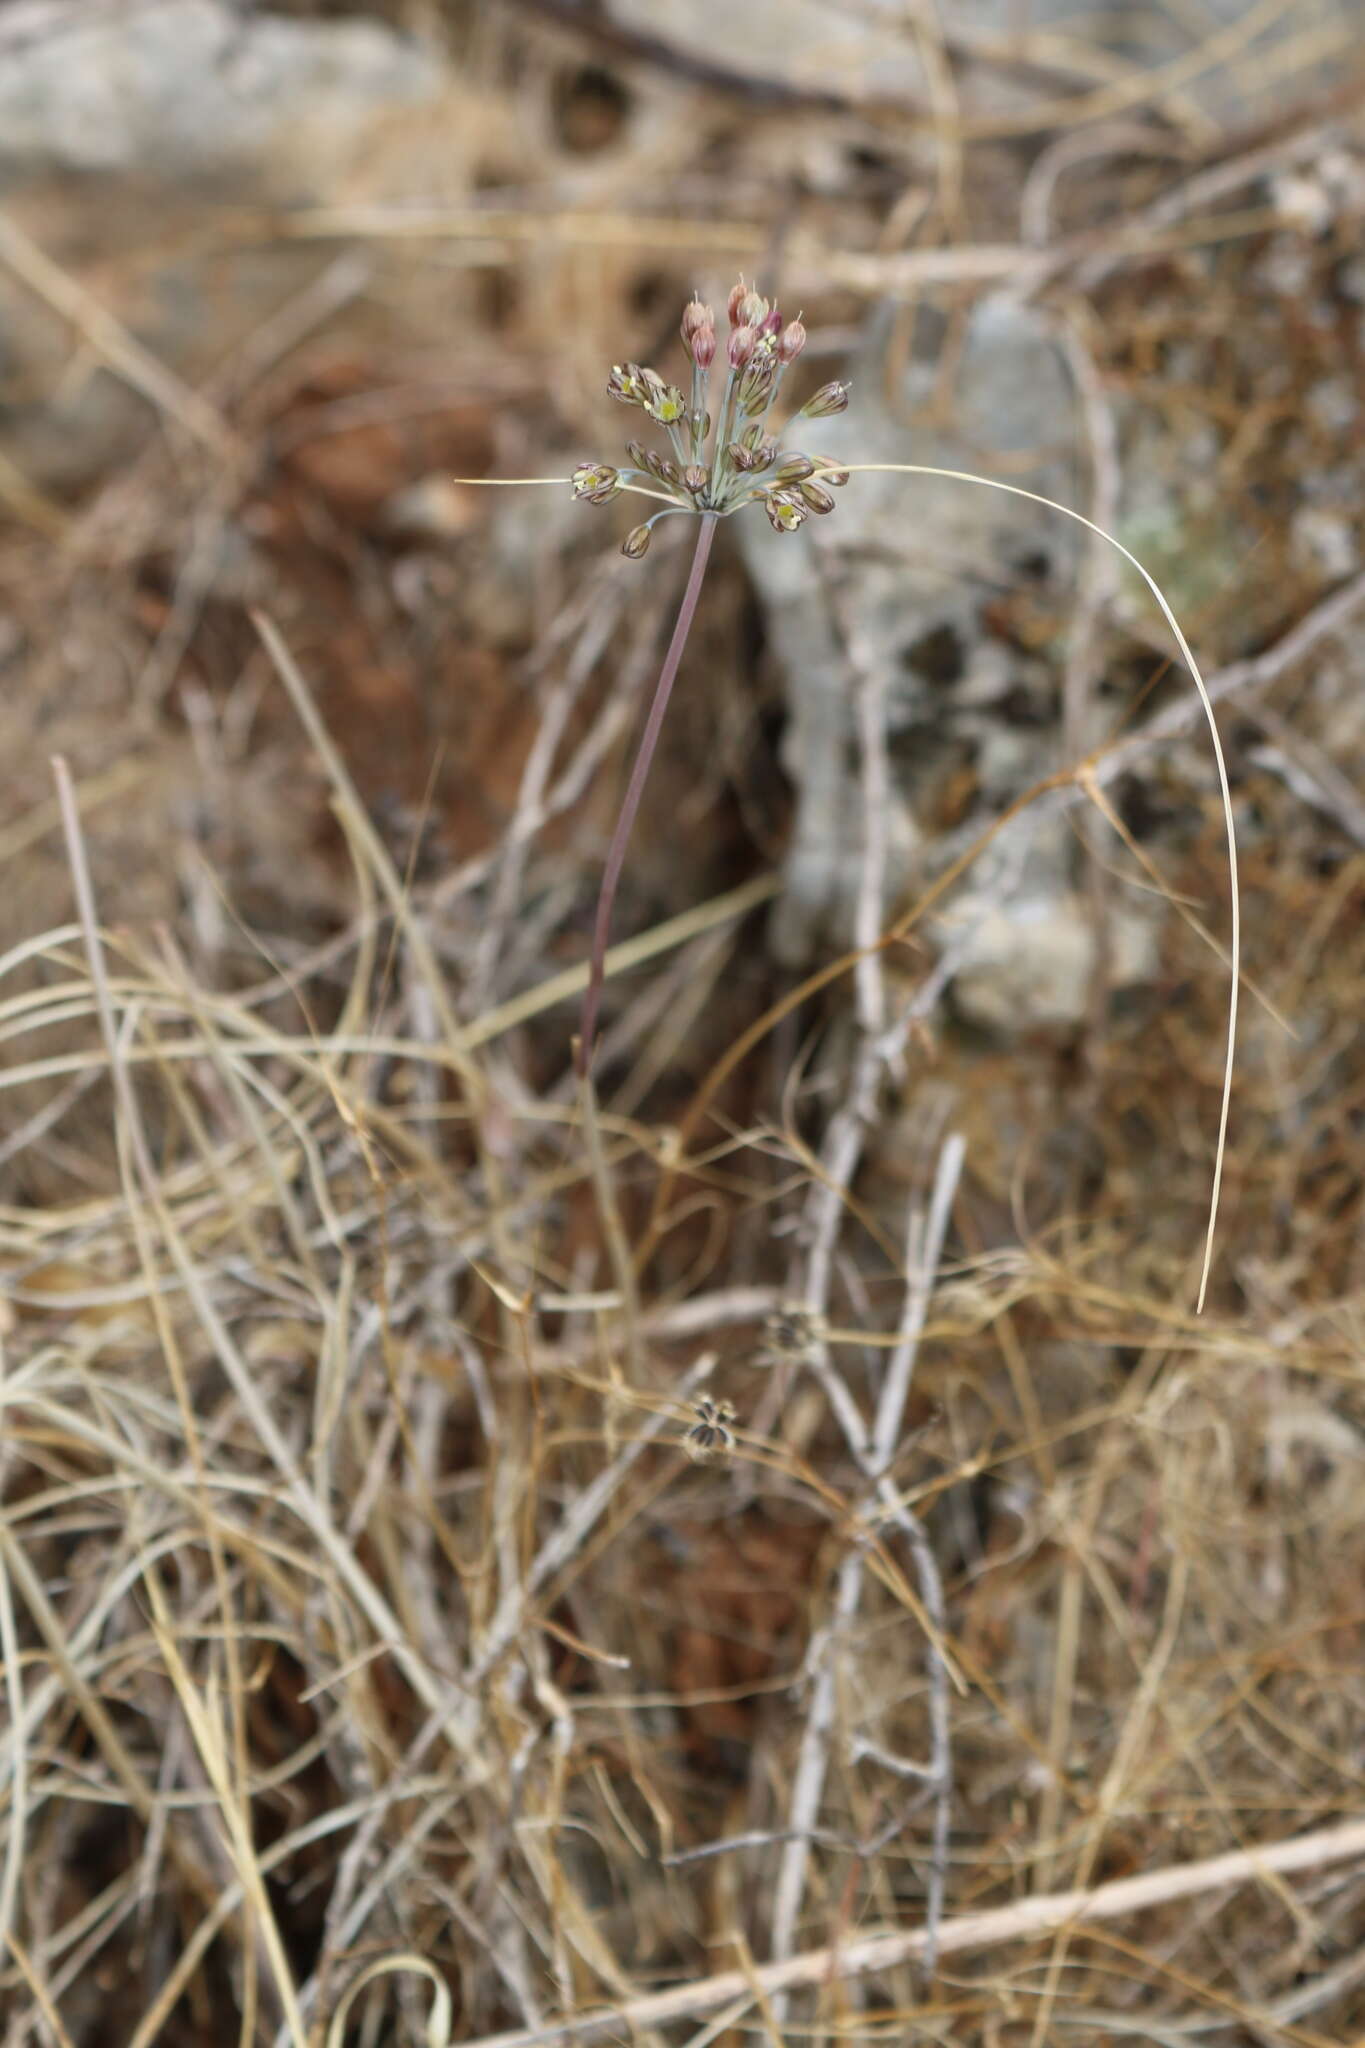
<point x="916" y="560"/>
<point x="120" y="115"/>
<point x="875" y="49"/>
<point x="1026" y="963"/>
<point x="196" y="86"/>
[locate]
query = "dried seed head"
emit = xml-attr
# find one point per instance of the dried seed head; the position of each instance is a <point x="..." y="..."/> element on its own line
<point x="596" y="481"/>
<point x="785" y="511"/>
<point x="635" y="542"/>
<point x="791" y="1336"/>
<point x="710" y="1441"/>
<point x="828" y="400"/>
<point x="791" y="341"/>
<point x="741" y="347"/>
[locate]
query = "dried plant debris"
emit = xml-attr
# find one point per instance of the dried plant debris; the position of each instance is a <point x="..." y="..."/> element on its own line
<point x="791" y="1336"/>
<point x="711" y="1440"/>
<point x="362" y="1629"/>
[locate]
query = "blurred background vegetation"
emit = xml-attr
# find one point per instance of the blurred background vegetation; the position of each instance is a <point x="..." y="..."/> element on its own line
<point x="355" y="1603"/>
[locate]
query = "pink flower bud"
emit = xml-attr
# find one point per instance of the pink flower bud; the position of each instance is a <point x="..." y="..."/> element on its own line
<point x="791" y="341"/>
<point x="741" y="347"/>
<point x="695" y="315"/>
<point x="738" y="294"/>
<point x="773" y="323"/>
<point x="753" y="310"/>
<point x="704" y="347"/>
<point x="697" y="322"/>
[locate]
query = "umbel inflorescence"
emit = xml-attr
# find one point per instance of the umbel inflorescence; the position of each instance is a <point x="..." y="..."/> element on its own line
<point x="721" y="463"/>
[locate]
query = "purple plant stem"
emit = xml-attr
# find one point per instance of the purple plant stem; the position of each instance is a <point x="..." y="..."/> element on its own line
<point x="616" y="852"/>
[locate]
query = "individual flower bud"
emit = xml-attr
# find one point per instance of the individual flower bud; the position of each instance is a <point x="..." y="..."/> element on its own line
<point x="756" y="385"/>
<point x="772" y="326"/>
<point x="738" y="294"/>
<point x="638" y="454"/>
<point x="704" y="347"/>
<point x="817" y="497"/>
<point x="835" y="478"/>
<point x="751" y="437"/>
<point x="767" y="452"/>
<point x="828" y="400"/>
<point x="785" y="511"/>
<point x="741" y="458"/>
<point x="696" y="478"/>
<point x="695" y="317"/>
<point x="794" y="469"/>
<point x="635" y="542"/>
<point x="710" y="1440"/>
<point x="698" y="425"/>
<point x="596" y="481"/>
<point x="753" y="310"/>
<point x="741" y="347"/>
<point x="661" y="467"/>
<point x="791" y="341"/>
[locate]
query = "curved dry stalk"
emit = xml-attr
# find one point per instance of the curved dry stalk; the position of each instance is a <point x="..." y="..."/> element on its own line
<point x="964" y="476"/>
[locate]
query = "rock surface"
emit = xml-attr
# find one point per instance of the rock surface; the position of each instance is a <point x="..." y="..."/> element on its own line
<point x="198" y="86"/>
<point x="897" y="585"/>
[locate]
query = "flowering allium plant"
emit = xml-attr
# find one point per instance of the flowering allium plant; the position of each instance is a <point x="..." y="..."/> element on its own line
<point x="720" y="465"/>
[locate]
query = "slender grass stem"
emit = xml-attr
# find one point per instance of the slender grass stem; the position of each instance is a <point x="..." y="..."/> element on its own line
<point x="620" y="838"/>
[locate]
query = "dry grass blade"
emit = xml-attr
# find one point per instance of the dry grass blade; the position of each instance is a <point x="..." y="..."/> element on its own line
<point x="1187" y="655"/>
<point x="871" y="1954"/>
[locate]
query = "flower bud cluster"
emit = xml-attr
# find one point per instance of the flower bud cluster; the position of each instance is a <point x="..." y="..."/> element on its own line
<point x="720" y="464"/>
